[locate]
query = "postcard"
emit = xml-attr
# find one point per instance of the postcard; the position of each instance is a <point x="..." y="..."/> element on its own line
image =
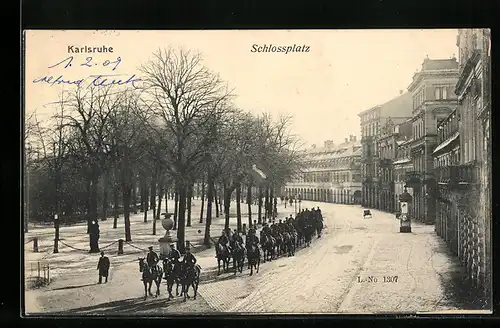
<point x="257" y="172"/>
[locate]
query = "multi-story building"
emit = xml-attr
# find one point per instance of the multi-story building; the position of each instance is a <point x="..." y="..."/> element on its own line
<point x="402" y="165"/>
<point x="330" y="173"/>
<point x="446" y="163"/>
<point x="473" y="90"/>
<point x="391" y="136"/>
<point x="393" y="112"/>
<point x="433" y="100"/>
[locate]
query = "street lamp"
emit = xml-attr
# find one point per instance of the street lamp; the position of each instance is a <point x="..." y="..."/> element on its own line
<point x="405" y="222"/>
<point x="56" y="237"/>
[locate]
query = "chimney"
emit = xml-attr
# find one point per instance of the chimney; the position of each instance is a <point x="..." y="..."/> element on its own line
<point x="328" y="143"/>
<point x="346" y="140"/>
<point x="353" y="138"/>
<point x="400" y="92"/>
<point x="313" y="146"/>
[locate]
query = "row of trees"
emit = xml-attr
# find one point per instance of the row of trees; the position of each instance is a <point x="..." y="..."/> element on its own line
<point x="178" y="130"/>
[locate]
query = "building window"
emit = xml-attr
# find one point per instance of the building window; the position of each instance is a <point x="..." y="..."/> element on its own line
<point x="441" y="93"/>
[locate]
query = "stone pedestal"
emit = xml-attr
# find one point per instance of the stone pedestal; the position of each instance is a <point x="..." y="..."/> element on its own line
<point x="165" y="241"/>
<point x="405" y="224"/>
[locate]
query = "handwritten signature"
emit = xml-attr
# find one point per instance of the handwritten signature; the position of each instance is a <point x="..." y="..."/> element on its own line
<point x="68" y="62"/>
<point x="98" y="80"/>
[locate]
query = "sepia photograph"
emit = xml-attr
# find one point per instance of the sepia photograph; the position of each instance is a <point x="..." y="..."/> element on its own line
<point x="176" y="172"/>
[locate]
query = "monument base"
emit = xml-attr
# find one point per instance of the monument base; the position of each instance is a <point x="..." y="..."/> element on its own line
<point x="165" y="242"/>
<point x="405" y="229"/>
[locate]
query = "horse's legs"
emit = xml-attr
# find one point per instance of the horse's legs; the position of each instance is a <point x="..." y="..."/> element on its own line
<point x="145" y="283"/>
<point x="149" y="288"/>
<point x="158" y="282"/>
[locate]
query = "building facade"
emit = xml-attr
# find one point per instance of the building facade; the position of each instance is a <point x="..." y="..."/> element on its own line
<point x="330" y="174"/>
<point x="376" y="172"/>
<point x="474" y="97"/>
<point x="388" y="143"/>
<point x="446" y="163"/>
<point x="433" y="99"/>
<point x="402" y="166"/>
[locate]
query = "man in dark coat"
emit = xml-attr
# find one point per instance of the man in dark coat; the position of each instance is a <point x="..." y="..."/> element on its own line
<point x="189" y="259"/>
<point x="103" y="267"/>
<point x="152" y="259"/>
<point x="174" y="254"/>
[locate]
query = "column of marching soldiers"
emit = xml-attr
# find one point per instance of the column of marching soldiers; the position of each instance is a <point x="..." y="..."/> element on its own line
<point x="275" y="240"/>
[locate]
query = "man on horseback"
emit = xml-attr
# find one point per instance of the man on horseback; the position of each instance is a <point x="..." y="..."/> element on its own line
<point x="152" y="259"/>
<point x="252" y="239"/>
<point x="174" y="254"/>
<point x="189" y="259"/>
<point x="224" y="240"/>
<point x="236" y="240"/>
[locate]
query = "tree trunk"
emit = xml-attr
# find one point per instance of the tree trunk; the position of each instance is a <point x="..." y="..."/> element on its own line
<point x="153" y="204"/>
<point x="161" y="191"/>
<point x="166" y="199"/>
<point x="202" y="198"/>
<point x="210" y="197"/>
<point x="238" y="208"/>
<point x="259" y="218"/>
<point x="105" y="199"/>
<point x="134" y="196"/>
<point x="152" y="196"/>
<point x="93" y="221"/>
<point x="181" y="220"/>
<point x="216" y="203"/>
<point x="115" y="206"/>
<point x="89" y="206"/>
<point x="176" y="209"/>
<point x="271" y="202"/>
<point x="221" y="199"/>
<point x="227" y="204"/>
<point x="249" y="204"/>
<point x="275" y="207"/>
<point x="189" y="197"/>
<point x="127" y="196"/>
<point x="266" y="205"/>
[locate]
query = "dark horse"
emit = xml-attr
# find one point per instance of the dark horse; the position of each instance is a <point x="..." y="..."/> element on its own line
<point x="253" y="256"/>
<point x="172" y="275"/>
<point x="223" y="255"/>
<point x="268" y="243"/>
<point x="148" y="277"/>
<point x="289" y="242"/>
<point x="189" y="277"/>
<point x="238" y="254"/>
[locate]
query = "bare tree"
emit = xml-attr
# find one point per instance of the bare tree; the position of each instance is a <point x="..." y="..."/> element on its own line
<point x="187" y="98"/>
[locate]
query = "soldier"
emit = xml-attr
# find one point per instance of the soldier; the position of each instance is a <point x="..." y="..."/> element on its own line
<point x="236" y="239"/>
<point x="152" y="259"/>
<point x="252" y="239"/>
<point x="103" y="267"/>
<point x="189" y="259"/>
<point x="224" y="240"/>
<point x="174" y="254"/>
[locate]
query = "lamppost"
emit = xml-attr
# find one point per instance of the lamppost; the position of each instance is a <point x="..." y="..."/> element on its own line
<point x="405" y="222"/>
<point x="56" y="236"/>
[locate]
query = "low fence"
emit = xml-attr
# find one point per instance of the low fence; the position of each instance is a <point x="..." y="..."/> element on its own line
<point x="37" y="274"/>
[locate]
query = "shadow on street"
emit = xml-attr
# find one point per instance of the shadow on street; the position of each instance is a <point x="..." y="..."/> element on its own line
<point x="458" y="288"/>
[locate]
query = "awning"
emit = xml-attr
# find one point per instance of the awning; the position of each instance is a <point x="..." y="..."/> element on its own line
<point x="445" y="143"/>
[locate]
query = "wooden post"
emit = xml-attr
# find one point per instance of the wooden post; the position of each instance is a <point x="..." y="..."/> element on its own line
<point x="35" y="244"/>
<point x="120" y="246"/>
<point x="48" y="273"/>
<point x="38" y="269"/>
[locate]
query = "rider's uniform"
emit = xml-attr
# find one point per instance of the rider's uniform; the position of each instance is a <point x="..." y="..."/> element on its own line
<point x="152" y="259"/>
<point x="174" y="255"/>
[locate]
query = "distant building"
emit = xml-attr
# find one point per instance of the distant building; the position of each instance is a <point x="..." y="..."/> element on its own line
<point x="402" y="165"/>
<point x="330" y="174"/>
<point x="373" y="121"/>
<point x="433" y="100"/>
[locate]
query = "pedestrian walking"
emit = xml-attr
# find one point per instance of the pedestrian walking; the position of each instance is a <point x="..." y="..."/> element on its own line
<point x="103" y="267"/>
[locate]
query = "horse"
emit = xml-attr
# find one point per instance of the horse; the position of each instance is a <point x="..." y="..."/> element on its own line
<point x="279" y="243"/>
<point x="189" y="277"/>
<point x="268" y="243"/>
<point x="238" y="255"/>
<point x="172" y="274"/>
<point x="289" y="243"/>
<point x="148" y="277"/>
<point x="253" y="256"/>
<point x="223" y="255"/>
<point x="308" y="233"/>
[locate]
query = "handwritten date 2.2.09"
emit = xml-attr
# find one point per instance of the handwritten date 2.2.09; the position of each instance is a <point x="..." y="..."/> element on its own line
<point x="375" y="279"/>
<point x="88" y="62"/>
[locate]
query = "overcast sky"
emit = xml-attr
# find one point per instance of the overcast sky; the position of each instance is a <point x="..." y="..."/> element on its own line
<point x="344" y="73"/>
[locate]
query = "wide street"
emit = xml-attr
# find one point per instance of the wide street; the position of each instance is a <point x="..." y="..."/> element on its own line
<point x="358" y="266"/>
